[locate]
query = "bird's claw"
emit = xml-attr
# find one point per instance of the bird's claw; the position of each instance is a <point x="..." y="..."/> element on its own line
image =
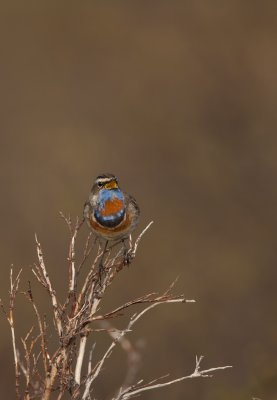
<point x="128" y="257"/>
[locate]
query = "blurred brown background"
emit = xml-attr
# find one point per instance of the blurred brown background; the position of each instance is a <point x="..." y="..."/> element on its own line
<point x="178" y="98"/>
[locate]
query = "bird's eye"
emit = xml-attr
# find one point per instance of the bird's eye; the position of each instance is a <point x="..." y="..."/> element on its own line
<point x="100" y="184"/>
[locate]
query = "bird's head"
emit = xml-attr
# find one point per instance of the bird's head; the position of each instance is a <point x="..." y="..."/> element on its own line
<point x="105" y="181"/>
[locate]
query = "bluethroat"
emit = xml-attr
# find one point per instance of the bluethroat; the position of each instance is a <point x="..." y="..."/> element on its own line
<point x="110" y="213"/>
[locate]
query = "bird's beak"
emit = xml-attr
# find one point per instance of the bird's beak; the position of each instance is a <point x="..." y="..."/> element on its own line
<point x="111" y="185"/>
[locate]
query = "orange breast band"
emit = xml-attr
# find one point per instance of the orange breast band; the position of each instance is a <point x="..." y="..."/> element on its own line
<point x="112" y="207"/>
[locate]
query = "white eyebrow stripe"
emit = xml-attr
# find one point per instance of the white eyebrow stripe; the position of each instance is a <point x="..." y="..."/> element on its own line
<point x="103" y="180"/>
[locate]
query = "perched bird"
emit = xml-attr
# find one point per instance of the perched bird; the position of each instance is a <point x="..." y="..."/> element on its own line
<point x="110" y="213"/>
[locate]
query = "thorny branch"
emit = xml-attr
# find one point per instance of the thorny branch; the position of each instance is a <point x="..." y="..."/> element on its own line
<point x="60" y="370"/>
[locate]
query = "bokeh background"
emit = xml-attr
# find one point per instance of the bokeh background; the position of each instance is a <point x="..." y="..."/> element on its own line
<point x="178" y="99"/>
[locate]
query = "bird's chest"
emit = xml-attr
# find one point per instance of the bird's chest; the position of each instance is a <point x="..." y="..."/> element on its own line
<point x="110" y="208"/>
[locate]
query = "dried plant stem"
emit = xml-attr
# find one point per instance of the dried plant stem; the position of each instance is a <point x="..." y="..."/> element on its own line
<point x="132" y="351"/>
<point x="47" y="283"/>
<point x="82" y="346"/>
<point x="75" y="318"/>
<point x="95" y="304"/>
<point x="10" y="317"/>
<point x="118" y="338"/>
<point x="49" y="382"/>
<point x="80" y="359"/>
<point x="137" y="389"/>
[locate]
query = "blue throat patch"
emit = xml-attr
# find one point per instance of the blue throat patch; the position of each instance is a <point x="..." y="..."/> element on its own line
<point x="111" y="219"/>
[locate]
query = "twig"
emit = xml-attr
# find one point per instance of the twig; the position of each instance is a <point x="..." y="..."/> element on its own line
<point x="142" y="300"/>
<point x="80" y="358"/>
<point x="132" y="252"/>
<point x="61" y="371"/>
<point x="139" y="388"/>
<point x="133" y="355"/>
<point x="120" y="335"/>
<point x="44" y="353"/>
<point x="87" y="252"/>
<point x="49" y="287"/>
<point x="71" y="257"/>
<point x="10" y="317"/>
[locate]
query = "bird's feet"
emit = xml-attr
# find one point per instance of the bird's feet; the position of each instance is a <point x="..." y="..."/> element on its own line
<point x="128" y="256"/>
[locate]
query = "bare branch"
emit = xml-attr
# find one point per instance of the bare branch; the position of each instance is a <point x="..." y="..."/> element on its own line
<point x="133" y="251"/>
<point x="146" y="299"/>
<point x="80" y="359"/>
<point x="71" y="256"/>
<point x="87" y="252"/>
<point x="137" y="389"/>
<point x="132" y="352"/>
<point x="49" y="287"/>
<point x="57" y="371"/>
<point x="44" y="353"/>
<point x="10" y="317"/>
<point x="118" y="338"/>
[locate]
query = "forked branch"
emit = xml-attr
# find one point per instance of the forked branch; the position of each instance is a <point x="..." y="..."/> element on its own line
<point x="76" y="318"/>
<point x="138" y="388"/>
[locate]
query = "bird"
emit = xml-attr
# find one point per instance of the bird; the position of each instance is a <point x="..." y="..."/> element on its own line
<point x="110" y="213"/>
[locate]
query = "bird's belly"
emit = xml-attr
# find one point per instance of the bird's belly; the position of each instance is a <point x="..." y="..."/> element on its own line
<point x="111" y="232"/>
